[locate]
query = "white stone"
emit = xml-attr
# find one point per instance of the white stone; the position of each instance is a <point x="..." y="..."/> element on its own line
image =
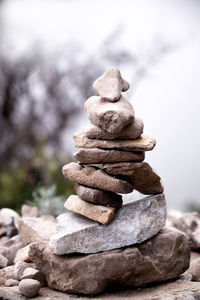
<point x="134" y="223"/>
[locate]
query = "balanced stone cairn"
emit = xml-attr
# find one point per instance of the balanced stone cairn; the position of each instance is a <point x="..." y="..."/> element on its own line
<point x="115" y="143"/>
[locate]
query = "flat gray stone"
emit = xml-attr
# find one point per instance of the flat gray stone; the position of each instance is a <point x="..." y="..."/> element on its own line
<point x="98" y="196"/>
<point x="134" y="223"/>
<point x="130" y="132"/>
<point x="35" y="229"/>
<point x="99" y="156"/>
<point x="110" y="116"/>
<point x="142" y="144"/>
<point x="95" y="177"/>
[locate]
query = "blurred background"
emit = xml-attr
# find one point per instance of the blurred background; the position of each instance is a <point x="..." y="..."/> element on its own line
<point x="51" y="51"/>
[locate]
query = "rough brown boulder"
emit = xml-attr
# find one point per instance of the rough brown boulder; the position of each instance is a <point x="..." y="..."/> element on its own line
<point x="161" y="258"/>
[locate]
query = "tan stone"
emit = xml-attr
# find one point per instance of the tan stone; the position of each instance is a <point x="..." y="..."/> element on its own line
<point x="11" y="282"/>
<point x="12" y="241"/>
<point x="22" y="254"/>
<point x="29" y="287"/>
<point x="130" y="132"/>
<point x="110" y="116"/>
<point x="95" y="177"/>
<point x="142" y="144"/>
<point x="194" y="268"/>
<point x="98" y="156"/>
<point x="19" y="268"/>
<point x="29" y="211"/>
<point x="99" y="213"/>
<point x="140" y="175"/>
<point x="31" y="273"/>
<point x="6" y="273"/>
<point x="3" y="261"/>
<point x="98" y="196"/>
<point x="110" y="85"/>
<point x="49" y="218"/>
<point x="36" y="229"/>
<point x="189" y="223"/>
<point x="12" y="251"/>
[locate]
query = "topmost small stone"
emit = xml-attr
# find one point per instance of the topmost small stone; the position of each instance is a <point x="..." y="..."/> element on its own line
<point x="110" y="85"/>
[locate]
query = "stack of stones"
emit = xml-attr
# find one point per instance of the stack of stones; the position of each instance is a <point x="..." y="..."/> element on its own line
<point x="110" y="163"/>
<point x="114" y="140"/>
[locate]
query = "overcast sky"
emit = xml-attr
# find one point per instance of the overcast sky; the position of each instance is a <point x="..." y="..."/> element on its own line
<point x="168" y="99"/>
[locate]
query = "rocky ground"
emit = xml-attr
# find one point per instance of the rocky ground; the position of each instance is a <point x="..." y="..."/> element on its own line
<point x="28" y="267"/>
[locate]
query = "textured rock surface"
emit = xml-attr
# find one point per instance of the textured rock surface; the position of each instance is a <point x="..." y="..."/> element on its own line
<point x="36" y="229"/>
<point x="99" y="213"/>
<point x="132" y="131"/>
<point x="22" y="254"/>
<point x="29" y="287"/>
<point x="3" y="261"/>
<point x="175" y="290"/>
<point x="6" y="273"/>
<point x="31" y="273"/>
<point x="94" y="177"/>
<point x="189" y="223"/>
<point x="12" y="251"/>
<point x="142" y="144"/>
<point x="29" y="211"/>
<point x="98" y="196"/>
<point x="19" y="268"/>
<point x="140" y="175"/>
<point x="109" y="116"/>
<point x="98" y="156"/>
<point x="11" y="282"/>
<point x="13" y="293"/>
<point x="194" y="269"/>
<point x="163" y="257"/>
<point x="134" y="223"/>
<point x="110" y="85"/>
<point x="6" y="215"/>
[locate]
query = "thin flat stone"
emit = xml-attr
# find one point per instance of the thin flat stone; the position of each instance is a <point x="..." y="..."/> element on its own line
<point x="110" y="85"/>
<point x="144" y="143"/>
<point x="110" y="116"/>
<point x="99" y="213"/>
<point x="98" y="196"/>
<point x="99" y="156"/>
<point x="95" y="177"/>
<point x="130" y="132"/>
<point x="134" y="223"/>
<point x="140" y="175"/>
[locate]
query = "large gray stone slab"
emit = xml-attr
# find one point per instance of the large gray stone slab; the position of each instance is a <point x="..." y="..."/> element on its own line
<point x="134" y="223"/>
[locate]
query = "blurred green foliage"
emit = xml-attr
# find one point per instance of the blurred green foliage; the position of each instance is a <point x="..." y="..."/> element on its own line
<point x="47" y="201"/>
<point x="21" y="182"/>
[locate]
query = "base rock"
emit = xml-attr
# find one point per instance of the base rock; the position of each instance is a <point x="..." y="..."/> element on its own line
<point x="189" y="223"/>
<point x="163" y="257"/>
<point x="134" y="223"/>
